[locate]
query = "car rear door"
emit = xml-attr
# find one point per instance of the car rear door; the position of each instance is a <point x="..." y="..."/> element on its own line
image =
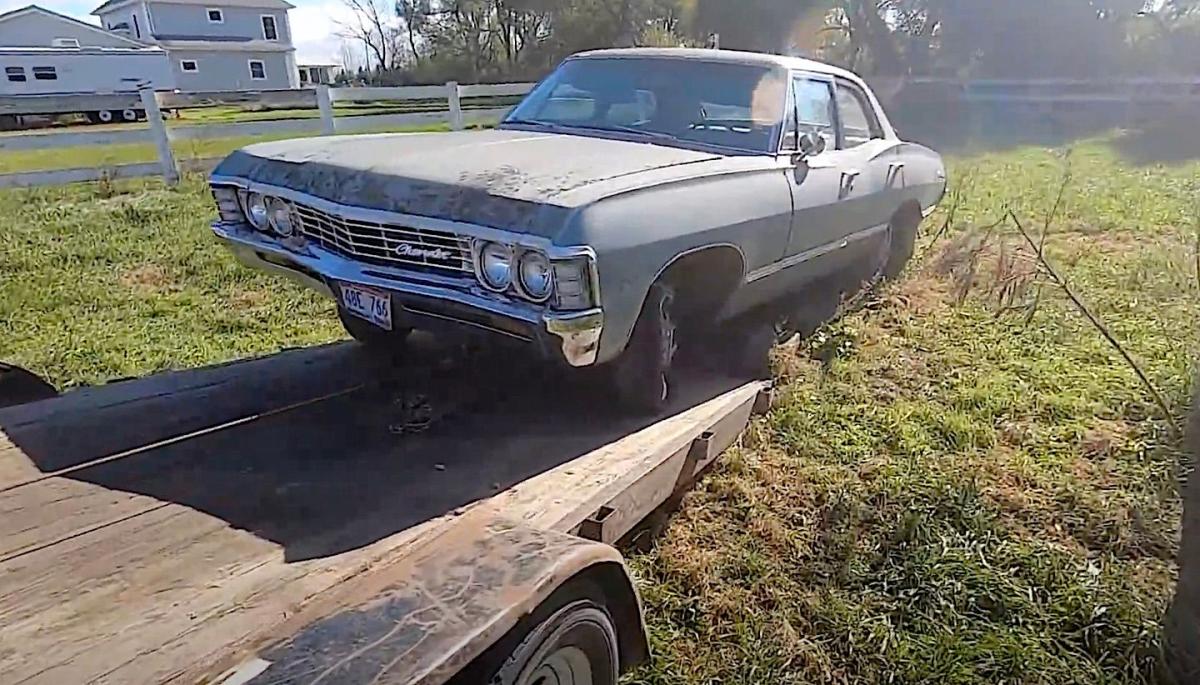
<point x="871" y="177"/>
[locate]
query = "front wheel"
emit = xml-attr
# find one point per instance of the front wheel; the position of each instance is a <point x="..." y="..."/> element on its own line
<point x="577" y="645"/>
<point x="373" y="337"/>
<point x="642" y="374"/>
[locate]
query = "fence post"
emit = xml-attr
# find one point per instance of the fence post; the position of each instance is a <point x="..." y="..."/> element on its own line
<point x="325" y="104"/>
<point x="456" y="114"/>
<point x="158" y="132"/>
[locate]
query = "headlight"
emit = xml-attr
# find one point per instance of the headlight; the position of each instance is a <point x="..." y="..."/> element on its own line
<point x="280" y="216"/>
<point x="496" y="266"/>
<point x="256" y="210"/>
<point x="537" y="277"/>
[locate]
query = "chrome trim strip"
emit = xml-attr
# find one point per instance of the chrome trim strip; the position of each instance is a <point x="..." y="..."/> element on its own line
<point x="819" y="251"/>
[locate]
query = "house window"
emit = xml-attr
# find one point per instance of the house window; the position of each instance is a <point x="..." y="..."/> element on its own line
<point x="258" y="70"/>
<point x="304" y="76"/>
<point x="65" y="42"/>
<point x="15" y="74"/>
<point x="269" y="30"/>
<point x="45" y="74"/>
<point x="215" y="16"/>
<point x="188" y="65"/>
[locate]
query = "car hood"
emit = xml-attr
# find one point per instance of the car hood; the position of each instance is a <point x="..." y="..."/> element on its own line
<point x="516" y="180"/>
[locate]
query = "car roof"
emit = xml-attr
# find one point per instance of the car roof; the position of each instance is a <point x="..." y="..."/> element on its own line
<point x="726" y="56"/>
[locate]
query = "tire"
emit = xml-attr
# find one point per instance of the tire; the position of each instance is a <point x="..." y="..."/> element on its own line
<point x="129" y="115"/>
<point x="901" y="241"/>
<point x="373" y="337"/>
<point x="576" y="645"/>
<point x="106" y="116"/>
<point x="641" y="376"/>
<point x="747" y="346"/>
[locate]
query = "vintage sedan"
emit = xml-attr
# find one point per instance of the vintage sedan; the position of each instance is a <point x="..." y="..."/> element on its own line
<point x="631" y="202"/>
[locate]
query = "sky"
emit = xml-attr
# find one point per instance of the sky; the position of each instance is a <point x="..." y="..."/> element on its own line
<point x="313" y="22"/>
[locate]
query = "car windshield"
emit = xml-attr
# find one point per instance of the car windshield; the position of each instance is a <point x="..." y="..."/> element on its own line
<point x="734" y="106"/>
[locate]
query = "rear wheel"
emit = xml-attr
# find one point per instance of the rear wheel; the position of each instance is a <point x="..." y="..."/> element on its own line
<point x="642" y="374"/>
<point x="129" y="115"/>
<point x="901" y="241"/>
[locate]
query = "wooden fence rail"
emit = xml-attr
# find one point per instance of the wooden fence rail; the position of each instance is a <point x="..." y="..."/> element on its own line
<point x="158" y="133"/>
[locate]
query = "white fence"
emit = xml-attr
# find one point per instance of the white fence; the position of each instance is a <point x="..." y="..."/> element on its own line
<point x="161" y="136"/>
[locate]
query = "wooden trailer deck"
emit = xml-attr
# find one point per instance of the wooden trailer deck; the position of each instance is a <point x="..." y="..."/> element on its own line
<point x="157" y="530"/>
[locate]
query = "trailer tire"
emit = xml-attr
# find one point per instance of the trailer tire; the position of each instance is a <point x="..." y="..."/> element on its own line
<point x="577" y="644"/>
<point x="129" y="115"/>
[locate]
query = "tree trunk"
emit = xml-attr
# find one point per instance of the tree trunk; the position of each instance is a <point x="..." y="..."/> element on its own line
<point x="1182" y="631"/>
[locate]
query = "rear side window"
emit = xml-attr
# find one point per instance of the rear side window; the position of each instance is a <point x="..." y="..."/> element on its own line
<point x="15" y="74"/>
<point x="856" y="115"/>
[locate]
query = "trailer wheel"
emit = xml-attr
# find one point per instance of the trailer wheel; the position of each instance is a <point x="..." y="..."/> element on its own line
<point x="105" y="116"/>
<point x="129" y="115"/>
<point x="577" y="645"/>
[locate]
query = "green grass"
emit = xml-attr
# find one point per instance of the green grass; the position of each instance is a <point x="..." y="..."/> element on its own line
<point x="958" y="491"/>
<point x="954" y="489"/>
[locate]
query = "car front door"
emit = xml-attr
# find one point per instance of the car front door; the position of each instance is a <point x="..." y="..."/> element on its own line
<point x="815" y="180"/>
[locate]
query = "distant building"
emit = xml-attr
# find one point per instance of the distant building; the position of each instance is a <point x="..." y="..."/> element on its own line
<point x="317" y="74"/>
<point x="44" y="52"/>
<point x="213" y="44"/>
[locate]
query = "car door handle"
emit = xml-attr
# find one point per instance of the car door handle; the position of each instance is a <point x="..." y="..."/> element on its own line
<point x="848" y="177"/>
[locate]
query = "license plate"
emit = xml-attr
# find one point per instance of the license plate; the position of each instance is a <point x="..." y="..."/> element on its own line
<point x="372" y="305"/>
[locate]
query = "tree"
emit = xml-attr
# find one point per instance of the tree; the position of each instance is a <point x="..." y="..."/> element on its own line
<point x="370" y="24"/>
<point x="416" y="15"/>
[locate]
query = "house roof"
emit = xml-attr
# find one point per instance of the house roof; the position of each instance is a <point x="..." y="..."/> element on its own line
<point x="262" y="4"/>
<point x="35" y="9"/>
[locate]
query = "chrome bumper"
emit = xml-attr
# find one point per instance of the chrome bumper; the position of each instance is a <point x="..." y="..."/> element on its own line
<point x="574" y="335"/>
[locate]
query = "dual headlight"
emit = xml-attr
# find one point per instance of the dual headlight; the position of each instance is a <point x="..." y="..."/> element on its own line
<point x="529" y="271"/>
<point x="268" y="213"/>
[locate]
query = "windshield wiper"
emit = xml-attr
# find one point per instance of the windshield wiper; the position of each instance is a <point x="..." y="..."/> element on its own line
<point x="617" y="128"/>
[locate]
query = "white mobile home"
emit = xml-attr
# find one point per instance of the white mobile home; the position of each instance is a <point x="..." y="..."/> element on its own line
<point x="45" y="71"/>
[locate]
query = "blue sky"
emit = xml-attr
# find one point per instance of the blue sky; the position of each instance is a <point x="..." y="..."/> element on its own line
<point x="313" y="26"/>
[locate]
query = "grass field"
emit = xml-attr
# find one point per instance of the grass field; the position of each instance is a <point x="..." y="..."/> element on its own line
<point x="963" y="482"/>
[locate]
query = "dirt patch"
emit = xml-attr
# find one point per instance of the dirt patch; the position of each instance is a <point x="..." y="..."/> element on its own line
<point x="148" y="278"/>
<point x="1103" y="439"/>
<point x="249" y="299"/>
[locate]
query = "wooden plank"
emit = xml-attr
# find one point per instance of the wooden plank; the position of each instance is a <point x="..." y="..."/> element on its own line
<point x="495" y="90"/>
<point x="59" y="139"/>
<point x="67" y="103"/>
<point x="246" y="129"/>
<point x="29" y="179"/>
<point x="271" y="99"/>
<point x="375" y="94"/>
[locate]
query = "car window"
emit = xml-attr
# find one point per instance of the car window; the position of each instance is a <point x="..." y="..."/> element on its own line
<point x="728" y="105"/>
<point x="814" y="107"/>
<point x="857" y="118"/>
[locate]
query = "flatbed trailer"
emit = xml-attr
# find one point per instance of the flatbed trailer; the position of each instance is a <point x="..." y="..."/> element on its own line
<point x="321" y="516"/>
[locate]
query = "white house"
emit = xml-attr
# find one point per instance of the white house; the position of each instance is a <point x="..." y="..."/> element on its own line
<point x="43" y="52"/>
<point x="212" y="44"/>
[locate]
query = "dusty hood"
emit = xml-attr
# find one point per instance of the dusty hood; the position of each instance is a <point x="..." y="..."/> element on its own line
<point x="508" y="179"/>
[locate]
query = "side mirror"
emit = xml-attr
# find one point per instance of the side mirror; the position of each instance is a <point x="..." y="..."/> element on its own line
<point x="810" y="144"/>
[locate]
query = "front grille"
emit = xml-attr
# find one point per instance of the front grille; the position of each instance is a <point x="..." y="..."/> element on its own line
<point x="386" y="244"/>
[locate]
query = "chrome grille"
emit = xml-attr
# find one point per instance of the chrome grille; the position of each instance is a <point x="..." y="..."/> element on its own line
<point x="386" y="244"/>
